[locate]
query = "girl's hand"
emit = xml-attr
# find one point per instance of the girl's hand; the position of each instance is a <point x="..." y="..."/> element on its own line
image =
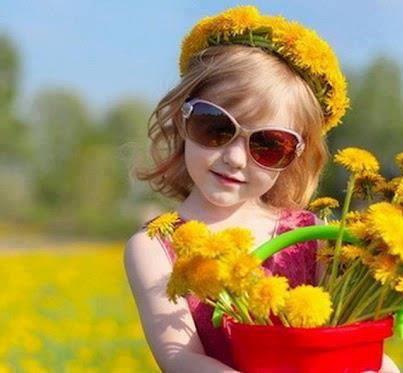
<point x="388" y="366"/>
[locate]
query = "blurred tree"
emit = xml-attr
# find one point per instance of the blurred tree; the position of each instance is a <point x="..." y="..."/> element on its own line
<point x="9" y="73"/>
<point x="125" y="130"/>
<point x="12" y="131"/>
<point x="95" y="183"/>
<point x="61" y="126"/>
<point x="126" y="121"/>
<point x="15" y="192"/>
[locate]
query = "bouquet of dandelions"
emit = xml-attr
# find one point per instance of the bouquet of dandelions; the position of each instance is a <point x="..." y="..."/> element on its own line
<point x="219" y="268"/>
<point x="362" y="280"/>
<point x="365" y="279"/>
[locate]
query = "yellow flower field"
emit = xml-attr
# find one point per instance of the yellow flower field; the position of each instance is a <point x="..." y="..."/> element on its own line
<point x="69" y="308"/>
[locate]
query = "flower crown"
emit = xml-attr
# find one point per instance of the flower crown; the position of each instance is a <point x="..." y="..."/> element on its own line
<point x="300" y="47"/>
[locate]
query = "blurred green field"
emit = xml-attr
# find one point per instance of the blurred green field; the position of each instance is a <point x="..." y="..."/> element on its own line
<point x="69" y="309"/>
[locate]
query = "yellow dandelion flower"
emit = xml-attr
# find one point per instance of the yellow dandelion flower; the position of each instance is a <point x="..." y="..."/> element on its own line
<point x="351" y="252"/>
<point x="308" y="307"/>
<point x="355" y="216"/>
<point x="367" y="183"/>
<point x="384" y="267"/>
<point x="398" y="196"/>
<point x="287" y="33"/>
<point x="240" y="18"/>
<point x="359" y="229"/>
<point x="190" y="237"/>
<point x="162" y="225"/>
<point x="399" y="285"/>
<point x="178" y="283"/>
<point x="324" y="254"/>
<point x="317" y="59"/>
<point x="324" y="205"/>
<point x="399" y="161"/>
<point x="367" y="258"/>
<point x="386" y="223"/>
<point x="268" y="295"/>
<point x="388" y="188"/>
<point x="205" y="277"/>
<point x="335" y="223"/>
<point x="241" y="238"/>
<point x="217" y="244"/>
<point x="356" y="160"/>
<point x="197" y="274"/>
<point x="243" y="270"/>
<point x="323" y="202"/>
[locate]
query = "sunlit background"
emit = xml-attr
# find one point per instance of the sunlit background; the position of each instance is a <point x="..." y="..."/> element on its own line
<point x="78" y="80"/>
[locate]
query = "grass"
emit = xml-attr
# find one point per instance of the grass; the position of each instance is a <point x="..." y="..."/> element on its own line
<point x="69" y="310"/>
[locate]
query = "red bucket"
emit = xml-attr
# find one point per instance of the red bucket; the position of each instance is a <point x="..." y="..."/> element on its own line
<point x="352" y="348"/>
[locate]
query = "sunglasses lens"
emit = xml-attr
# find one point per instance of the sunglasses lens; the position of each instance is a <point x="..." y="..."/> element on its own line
<point x="209" y="126"/>
<point x="273" y="148"/>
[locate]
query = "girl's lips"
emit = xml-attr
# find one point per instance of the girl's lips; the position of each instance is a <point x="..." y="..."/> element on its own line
<point x="227" y="179"/>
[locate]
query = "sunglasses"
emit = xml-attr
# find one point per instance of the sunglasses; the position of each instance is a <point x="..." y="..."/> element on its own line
<point x="210" y="126"/>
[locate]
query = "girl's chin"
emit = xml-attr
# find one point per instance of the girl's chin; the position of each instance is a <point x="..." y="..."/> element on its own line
<point x="222" y="199"/>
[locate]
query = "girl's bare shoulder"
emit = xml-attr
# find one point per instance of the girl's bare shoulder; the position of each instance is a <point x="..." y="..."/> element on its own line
<point x="141" y="246"/>
<point x="141" y="250"/>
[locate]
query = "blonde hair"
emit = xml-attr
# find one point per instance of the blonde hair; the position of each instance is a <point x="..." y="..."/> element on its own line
<point x="250" y="84"/>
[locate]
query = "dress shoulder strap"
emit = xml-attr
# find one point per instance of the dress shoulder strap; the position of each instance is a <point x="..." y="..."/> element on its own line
<point x="163" y="242"/>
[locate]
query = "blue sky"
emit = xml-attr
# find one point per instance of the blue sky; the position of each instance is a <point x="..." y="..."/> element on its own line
<point x="106" y="50"/>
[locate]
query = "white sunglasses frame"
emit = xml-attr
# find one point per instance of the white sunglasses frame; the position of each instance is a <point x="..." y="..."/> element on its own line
<point x="187" y="109"/>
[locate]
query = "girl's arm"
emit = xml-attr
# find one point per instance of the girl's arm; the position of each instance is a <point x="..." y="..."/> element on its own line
<point x="169" y="328"/>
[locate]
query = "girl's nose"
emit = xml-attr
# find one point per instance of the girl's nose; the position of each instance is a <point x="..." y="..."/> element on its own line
<point x="236" y="153"/>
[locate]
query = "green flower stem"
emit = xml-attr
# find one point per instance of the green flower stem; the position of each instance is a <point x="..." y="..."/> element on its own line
<point x="284" y="319"/>
<point x="384" y="290"/>
<point x="224" y="305"/>
<point x="243" y="310"/>
<point x="355" y="295"/>
<point x="350" y="269"/>
<point x="297" y="235"/>
<point x="225" y="298"/>
<point x="224" y="308"/>
<point x="395" y="305"/>
<point x="336" y="258"/>
<point x="384" y="312"/>
<point x="323" y="276"/>
<point x="340" y="288"/>
<point x="340" y="300"/>
<point x="370" y="295"/>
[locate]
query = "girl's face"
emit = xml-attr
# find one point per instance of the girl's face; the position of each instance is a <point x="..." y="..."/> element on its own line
<point x="231" y="160"/>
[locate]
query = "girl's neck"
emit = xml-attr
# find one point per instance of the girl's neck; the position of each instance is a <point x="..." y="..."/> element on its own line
<point x="196" y="207"/>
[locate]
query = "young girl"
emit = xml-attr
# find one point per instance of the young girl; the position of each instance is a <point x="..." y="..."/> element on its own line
<point x="239" y="142"/>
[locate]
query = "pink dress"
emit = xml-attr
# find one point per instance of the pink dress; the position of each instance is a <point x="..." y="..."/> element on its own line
<point x="296" y="262"/>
